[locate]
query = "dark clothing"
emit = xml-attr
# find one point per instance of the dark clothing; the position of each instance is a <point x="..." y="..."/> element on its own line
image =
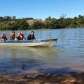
<point x="31" y="37"/>
<point x="19" y="38"/>
<point x="4" y="37"/>
<point x="12" y="37"/>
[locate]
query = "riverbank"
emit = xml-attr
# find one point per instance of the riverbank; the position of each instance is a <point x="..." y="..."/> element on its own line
<point x="12" y="23"/>
<point x="40" y="78"/>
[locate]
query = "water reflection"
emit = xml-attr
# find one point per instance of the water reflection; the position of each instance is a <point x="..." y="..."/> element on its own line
<point x="22" y="59"/>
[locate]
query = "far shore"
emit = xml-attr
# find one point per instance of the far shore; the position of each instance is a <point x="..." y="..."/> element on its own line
<point x="44" y="29"/>
<point x="12" y="23"/>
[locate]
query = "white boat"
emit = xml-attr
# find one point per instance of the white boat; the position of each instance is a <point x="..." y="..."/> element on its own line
<point x="34" y="43"/>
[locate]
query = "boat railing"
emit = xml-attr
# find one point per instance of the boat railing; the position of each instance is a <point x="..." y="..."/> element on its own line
<point x="17" y="41"/>
<point x="27" y="41"/>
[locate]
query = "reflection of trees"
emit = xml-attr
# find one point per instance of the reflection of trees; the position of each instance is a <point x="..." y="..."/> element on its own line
<point x="45" y="54"/>
<point x="23" y="59"/>
<point x="15" y="60"/>
<point x="13" y="56"/>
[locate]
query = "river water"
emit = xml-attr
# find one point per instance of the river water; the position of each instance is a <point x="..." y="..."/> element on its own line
<point x="66" y="55"/>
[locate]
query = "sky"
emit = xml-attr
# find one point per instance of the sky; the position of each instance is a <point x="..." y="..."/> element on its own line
<point x="41" y="8"/>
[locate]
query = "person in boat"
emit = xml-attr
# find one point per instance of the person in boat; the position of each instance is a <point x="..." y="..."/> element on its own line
<point x="20" y="36"/>
<point x="12" y="36"/>
<point x="31" y="36"/>
<point x="4" y="37"/>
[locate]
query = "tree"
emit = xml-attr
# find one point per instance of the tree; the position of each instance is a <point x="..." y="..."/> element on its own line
<point x="38" y="24"/>
<point x="20" y="25"/>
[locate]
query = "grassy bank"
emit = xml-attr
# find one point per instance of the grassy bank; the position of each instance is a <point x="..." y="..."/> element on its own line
<point x="48" y="23"/>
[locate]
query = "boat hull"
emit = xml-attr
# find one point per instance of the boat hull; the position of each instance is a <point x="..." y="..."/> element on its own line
<point x="28" y="43"/>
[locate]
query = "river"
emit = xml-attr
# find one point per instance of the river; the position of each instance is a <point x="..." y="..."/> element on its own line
<point x="66" y="55"/>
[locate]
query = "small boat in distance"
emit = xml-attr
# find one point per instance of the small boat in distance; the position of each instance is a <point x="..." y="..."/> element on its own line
<point x="28" y="43"/>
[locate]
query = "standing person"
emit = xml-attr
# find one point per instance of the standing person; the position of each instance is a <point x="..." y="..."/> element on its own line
<point x="4" y="37"/>
<point x="13" y="36"/>
<point x="31" y="36"/>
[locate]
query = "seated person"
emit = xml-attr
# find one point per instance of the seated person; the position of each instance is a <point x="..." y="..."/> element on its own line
<point x="31" y="36"/>
<point x="12" y="36"/>
<point x="4" y="37"/>
<point x="20" y="36"/>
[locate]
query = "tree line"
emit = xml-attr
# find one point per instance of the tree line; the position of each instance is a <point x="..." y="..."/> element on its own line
<point x="48" y="23"/>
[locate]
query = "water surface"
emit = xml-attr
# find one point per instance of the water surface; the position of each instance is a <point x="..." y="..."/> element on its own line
<point x="66" y="54"/>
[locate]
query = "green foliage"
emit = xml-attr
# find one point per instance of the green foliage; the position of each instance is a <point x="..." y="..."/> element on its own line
<point x="22" y="24"/>
<point x="38" y="25"/>
<point x="14" y="25"/>
<point x="65" y="22"/>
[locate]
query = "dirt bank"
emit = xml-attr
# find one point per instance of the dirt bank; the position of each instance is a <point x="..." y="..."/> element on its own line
<point x="40" y="78"/>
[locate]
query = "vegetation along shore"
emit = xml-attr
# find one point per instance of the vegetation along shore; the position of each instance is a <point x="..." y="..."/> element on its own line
<point x="13" y="23"/>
